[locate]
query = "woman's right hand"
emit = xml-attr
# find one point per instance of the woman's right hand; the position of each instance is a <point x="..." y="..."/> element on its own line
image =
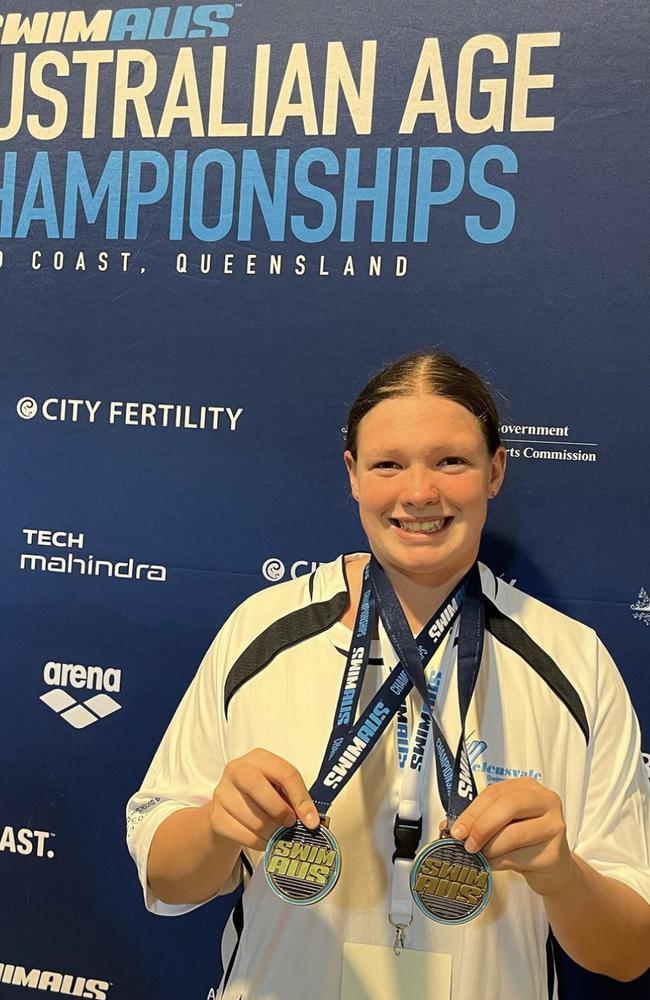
<point x="257" y="794"/>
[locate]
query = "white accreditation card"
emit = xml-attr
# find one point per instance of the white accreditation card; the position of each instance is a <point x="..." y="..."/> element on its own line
<point x="371" y="972"/>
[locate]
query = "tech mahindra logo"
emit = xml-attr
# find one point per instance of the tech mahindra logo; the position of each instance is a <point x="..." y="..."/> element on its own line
<point x="77" y="714"/>
<point x="53" y="982"/>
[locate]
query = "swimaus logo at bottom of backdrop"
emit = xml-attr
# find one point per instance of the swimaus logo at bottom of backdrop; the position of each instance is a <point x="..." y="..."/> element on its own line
<point x="66" y="984"/>
<point x="76" y="713"/>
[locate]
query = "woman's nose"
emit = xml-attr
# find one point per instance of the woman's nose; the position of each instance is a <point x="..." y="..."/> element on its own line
<point x="421" y="488"/>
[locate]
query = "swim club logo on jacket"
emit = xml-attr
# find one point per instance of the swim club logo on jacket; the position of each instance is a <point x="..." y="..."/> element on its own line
<point x="74" y="675"/>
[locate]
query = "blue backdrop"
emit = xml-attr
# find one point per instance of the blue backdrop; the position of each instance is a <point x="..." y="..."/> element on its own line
<point x="215" y="223"/>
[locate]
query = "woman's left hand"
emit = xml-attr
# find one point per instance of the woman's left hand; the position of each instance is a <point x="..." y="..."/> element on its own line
<point x="519" y="826"/>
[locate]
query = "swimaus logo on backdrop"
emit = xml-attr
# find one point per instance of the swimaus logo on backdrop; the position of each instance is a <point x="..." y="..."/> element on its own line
<point x="122" y="413"/>
<point x="77" y="713"/>
<point x="547" y="443"/>
<point x="76" y="564"/>
<point x="27" y="843"/>
<point x="274" y="569"/>
<point x="641" y="607"/>
<point x="66" y="984"/>
<point x="135" y="24"/>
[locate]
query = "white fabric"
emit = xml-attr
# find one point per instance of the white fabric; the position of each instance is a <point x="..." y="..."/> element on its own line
<point x="517" y="725"/>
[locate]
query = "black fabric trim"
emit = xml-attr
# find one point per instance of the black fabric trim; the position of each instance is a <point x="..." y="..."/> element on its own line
<point x="282" y="634"/>
<point x="550" y="965"/>
<point x="238" y="924"/>
<point x="512" y="635"/>
<point x="311" y="585"/>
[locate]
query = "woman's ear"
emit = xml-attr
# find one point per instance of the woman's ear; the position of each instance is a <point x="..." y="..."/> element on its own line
<point x="497" y="471"/>
<point x="351" y="466"/>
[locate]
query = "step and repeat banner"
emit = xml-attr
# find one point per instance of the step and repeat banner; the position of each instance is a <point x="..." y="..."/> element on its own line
<point x="216" y="221"/>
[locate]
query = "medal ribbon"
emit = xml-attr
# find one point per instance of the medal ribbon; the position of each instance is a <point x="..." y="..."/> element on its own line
<point x="456" y="784"/>
<point x="350" y="743"/>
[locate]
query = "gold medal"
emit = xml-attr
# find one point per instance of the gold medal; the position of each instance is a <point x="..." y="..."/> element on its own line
<point x="449" y="884"/>
<point x="301" y="865"/>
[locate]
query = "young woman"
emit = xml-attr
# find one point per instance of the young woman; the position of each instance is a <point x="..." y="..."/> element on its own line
<point x="530" y="760"/>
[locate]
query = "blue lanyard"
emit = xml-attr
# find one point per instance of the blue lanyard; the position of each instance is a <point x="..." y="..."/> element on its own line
<point x="350" y="743"/>
<point x="456" y="784"/>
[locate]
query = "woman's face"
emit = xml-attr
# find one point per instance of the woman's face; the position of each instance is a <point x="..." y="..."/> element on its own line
<point x="423" y="476"/>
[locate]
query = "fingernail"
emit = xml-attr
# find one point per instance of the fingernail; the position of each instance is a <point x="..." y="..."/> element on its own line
<point x="458" y="831"/>
<point x="311" y="819"/>
<point x="471" y="845"/>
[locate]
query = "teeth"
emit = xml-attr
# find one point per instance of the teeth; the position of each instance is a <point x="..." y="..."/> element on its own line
<point x="425" y="526"/>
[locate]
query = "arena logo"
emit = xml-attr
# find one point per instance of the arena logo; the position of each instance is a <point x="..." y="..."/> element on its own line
<point x="274" y="569"/>
<point x="641" y="608"/>
<point x="181" y="416"/>
<point x="77" y="714"/>
<point x="26" y="842"/>
<point x="86" y="565"/>
<point x="540" y="442"/>
<point x="66" y="984"/>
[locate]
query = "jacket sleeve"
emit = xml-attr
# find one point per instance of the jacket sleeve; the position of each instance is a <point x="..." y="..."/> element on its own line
<point x="614" y="834"/>
<point x="185" y="769"/>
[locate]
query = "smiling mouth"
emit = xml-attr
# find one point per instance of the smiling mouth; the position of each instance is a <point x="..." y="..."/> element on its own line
<point x="421" y="527"/>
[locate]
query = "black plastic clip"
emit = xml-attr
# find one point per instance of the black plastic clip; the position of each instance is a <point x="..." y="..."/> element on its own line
<point x="407" y="833"/>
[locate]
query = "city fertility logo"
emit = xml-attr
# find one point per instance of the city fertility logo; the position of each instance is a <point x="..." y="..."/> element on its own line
<point x="274" y="569"/>
<point x="641" y="607"/>
<point x="76" y="712"/>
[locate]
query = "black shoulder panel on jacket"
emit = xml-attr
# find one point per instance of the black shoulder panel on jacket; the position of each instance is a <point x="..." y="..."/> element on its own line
<point x="285" y="632"/>
<point x="509" y="634"/>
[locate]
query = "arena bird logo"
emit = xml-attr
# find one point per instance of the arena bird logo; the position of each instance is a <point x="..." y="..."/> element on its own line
<point x="60" y="675"/>
<point x="54" y="982"/>
<point x="641" y="608"/>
